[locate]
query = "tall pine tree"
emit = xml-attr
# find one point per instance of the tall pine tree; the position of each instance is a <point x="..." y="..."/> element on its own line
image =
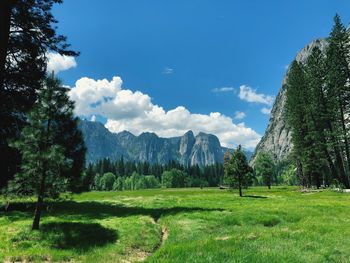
<point x="44" y="156"/>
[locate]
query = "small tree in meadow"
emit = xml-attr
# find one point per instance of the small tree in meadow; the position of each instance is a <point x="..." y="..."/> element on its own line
<point x="265" y="168"/>
<point x="44" y="157"/>
<point x="238" y="172"/>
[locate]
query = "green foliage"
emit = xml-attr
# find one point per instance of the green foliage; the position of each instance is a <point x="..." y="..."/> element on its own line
<point x="172" y="175"/>
<point x="175" y="179"/>
<point x="27" y="35"/>
<point x="265" y="168"/>
<point x="317" y="107"/>
<point x="289" y="176"/>
<point x="238" y="173"/>
<point x="44" y="157"/>
<point x="118" y="184"/>
<point x="106" y="182"/>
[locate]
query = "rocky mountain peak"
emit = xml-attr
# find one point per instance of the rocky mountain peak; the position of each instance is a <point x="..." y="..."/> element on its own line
<point x="202" y="149"/>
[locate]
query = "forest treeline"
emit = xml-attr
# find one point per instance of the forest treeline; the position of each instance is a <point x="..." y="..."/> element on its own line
<point x="317" y="112"/>
<point x="127" y="175"/>
<point x="107" y="175"/>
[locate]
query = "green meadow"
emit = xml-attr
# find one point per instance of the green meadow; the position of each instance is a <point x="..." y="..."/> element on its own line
<point x="181" y="225"/>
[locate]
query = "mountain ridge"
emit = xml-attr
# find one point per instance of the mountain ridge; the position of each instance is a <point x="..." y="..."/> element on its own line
<point x="189" y="149"/>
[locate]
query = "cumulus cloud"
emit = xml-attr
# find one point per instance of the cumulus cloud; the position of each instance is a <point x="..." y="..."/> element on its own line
<point x="223" y="89"/>
<point x="250" y="95"/>
<point x="134" y="111"/>
<point x="57" y="62"/>
<point x="88" y="94"/>
<point x="265" y="110"/>
<point x="239" y="115"/>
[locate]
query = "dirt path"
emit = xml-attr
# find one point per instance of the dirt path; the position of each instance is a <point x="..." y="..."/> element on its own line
<point x="164" y="234"/>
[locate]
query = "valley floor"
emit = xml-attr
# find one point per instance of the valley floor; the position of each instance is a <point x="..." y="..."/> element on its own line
<point x="183" y="225"/>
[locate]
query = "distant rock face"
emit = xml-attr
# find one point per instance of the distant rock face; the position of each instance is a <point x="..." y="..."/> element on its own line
<point x="203" y="149"/>
<point x="277" y="137"/>
<point x="206" y="149"/>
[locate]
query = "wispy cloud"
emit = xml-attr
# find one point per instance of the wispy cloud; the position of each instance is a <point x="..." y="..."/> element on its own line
<point x="265" y="110"/>
<point x="250" y="95"/>
<point x="239" y="115"/>
<point x="168" y="70"/>
<point x="223" y="89"/>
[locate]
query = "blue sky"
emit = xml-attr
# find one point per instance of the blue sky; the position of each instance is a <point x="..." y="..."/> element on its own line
<point x="179" y="52"/>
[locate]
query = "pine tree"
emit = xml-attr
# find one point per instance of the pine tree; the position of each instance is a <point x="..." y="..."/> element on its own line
<point x="265" y="167"/>
<point x="296" y="115"/>
<point x="338" y="76"/>
<point x="27" y="34"/>
<point x="43" y="157"/>
<point x="238" y="172"/>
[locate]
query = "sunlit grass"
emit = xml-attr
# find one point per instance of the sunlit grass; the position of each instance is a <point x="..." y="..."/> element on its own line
<point x="203" y="225"/>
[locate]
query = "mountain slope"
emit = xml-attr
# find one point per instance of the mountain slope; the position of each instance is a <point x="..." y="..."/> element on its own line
<point x="277" y="137"/>
<point x="202" y="149"/>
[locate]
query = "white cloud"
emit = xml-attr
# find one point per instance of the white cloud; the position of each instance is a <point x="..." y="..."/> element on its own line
<point x="168" y="70"/>
<point x="250" y="95"/>
<point x="93" y="118"/>
<point x="239" y="115"/>
<point x="265" y="110"/>
<point x="135" y="112"/>
<point x="57" y="62"/>
<point x="223" y="89"/>
<point x="89" y="93"/>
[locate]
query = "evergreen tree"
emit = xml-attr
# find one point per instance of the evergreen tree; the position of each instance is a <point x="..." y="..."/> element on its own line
<point x="238" y="172"/>
<point x="319" y="112"/>
<point x="43" y="158"/>
<point x="296" y="117"/>
<point x="265" y="168"/>
<point x="27" y="34"/>
<point x="338" y="77"/>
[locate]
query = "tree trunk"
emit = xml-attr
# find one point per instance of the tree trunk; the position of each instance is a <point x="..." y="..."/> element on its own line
<point x="338" y="158"/>
<point x="40" y="202"/>
<point x="269" y="186"/>
<point x="5" y="22"/>
<point x="37" y="213"/>
<point x="299" y="172"/>
<point x="346" y="142"/>
<point x="240" y="191"/>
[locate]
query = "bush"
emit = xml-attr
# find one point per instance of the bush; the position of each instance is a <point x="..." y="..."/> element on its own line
<point x="118" y="184"/>
<point x="106" y="182"/>
<point x="289" y="176"/>
<point x="174" y="179"/>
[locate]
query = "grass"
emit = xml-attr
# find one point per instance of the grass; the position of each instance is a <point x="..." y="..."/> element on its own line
<point x="201" y="225"/>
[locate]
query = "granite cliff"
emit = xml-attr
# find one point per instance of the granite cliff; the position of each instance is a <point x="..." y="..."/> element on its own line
<point x="202" y="149"/>
<point x="277" y="137"/>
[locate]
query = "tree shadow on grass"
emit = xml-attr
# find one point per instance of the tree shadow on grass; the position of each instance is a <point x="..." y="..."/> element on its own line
<point x="77" y="235"/>
<point x="255" y="196"/>
<point x="98" y="210"/>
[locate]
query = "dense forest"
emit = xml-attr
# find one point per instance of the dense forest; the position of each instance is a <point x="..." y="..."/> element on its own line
<point x="126" y="175"/>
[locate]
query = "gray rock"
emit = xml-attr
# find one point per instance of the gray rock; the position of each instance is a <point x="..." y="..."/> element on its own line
<point x="277" y="137"/>
<point x="204" y="149"/>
